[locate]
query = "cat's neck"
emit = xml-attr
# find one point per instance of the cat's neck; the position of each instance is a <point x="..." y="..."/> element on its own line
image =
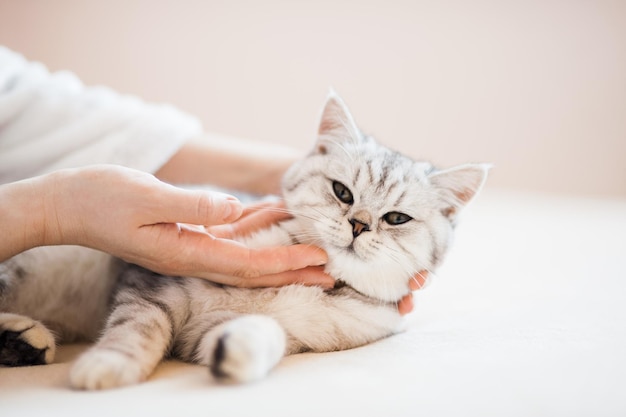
<point x="341" y="288"/>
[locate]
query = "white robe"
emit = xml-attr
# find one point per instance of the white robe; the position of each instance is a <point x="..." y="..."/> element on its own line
<point x="50" y="121"/>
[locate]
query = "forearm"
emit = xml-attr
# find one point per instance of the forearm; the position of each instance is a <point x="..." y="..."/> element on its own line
<point x="229" y="163"/>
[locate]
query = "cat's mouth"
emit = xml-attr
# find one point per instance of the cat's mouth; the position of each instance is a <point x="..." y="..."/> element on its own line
<point x="351" y="250"/>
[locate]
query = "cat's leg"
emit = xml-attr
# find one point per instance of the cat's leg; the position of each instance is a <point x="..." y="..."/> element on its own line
<point x="244" y="349"/>
<point x="137" y="335"/>
<point x="24" y="341"/>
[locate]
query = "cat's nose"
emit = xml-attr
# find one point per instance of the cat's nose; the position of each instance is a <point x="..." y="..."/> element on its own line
<point x="358" y="227"/>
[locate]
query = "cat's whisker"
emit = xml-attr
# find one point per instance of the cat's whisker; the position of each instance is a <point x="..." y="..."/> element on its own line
<point x="410" y="272"/>
<point x="429" y="276"/>
<point x="285" y="211"/>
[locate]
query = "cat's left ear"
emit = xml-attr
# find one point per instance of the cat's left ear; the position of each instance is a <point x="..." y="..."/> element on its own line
<point x="459" y="185"/>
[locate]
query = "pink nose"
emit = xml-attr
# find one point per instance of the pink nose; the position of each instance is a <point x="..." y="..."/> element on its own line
<point x="358" y="227"/>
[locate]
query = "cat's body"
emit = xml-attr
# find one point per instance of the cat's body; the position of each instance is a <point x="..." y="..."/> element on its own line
<point x="380" y="216"/>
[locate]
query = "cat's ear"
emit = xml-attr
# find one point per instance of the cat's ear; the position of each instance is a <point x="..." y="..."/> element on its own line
<point x="336" y="124"/>
<point x="459" y="185"/>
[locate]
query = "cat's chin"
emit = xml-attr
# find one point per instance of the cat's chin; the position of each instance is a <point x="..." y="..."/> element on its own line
<point x="375" y="279"/>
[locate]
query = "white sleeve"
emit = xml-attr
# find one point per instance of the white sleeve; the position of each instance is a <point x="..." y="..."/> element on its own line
<point x="52" y="121"/>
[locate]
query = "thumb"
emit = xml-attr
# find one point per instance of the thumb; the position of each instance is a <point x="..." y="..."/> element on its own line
<point x="198" y="207"/>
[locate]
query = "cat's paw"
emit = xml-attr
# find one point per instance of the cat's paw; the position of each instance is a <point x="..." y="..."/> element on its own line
<point x="24" y="341"/>
<point x="104" y="369"/>
<point x="248" y="348"/>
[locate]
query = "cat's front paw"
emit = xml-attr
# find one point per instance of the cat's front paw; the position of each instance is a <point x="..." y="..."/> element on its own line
<point x="248" y="348"/>
<point x="104" y="369"/>
<point x="24" y="341"/>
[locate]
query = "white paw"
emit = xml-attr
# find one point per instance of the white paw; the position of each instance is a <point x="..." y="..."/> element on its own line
<point x="103" y="369"/>
<point x="26" y="341"/>
<point x="248" y="349"/>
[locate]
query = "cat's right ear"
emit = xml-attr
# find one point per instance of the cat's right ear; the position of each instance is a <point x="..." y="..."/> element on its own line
<point x="336" y="124"/>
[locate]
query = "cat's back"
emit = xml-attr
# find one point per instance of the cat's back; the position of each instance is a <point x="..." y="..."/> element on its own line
<point x="66" y="287"/>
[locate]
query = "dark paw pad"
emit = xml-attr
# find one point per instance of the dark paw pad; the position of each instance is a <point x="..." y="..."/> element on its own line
<point x="15" y="351"/>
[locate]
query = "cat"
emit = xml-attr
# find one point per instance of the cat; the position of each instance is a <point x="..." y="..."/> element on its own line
<point x="381" y="217"/>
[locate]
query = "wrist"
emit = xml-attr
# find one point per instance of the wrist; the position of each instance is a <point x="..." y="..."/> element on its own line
<point x="22" y="216"/>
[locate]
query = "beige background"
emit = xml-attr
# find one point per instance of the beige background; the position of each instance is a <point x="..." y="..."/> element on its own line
<point x="536" y="87"/>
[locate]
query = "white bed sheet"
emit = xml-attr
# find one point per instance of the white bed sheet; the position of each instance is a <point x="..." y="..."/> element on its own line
<point x="526" y="318"/>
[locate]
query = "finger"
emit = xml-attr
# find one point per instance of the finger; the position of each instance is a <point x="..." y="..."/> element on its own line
<point x="249" y="223"/>
<point x="176" y="205"/>
<point x="310" y="276"/>
<point x="418" y="280"/>
<point x="263" y="205"/>
<point x="233" y="258"/>
<point x="405" y="305"/>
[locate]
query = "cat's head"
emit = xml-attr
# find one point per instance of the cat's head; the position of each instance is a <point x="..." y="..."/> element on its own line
<point x="381" y="216"/>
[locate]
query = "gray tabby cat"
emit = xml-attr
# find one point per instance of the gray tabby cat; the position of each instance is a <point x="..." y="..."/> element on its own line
<point x="380" y="216"/>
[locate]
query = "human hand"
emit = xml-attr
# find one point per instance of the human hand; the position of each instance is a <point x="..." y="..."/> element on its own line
<point x="132" y="215"/>
<point x="405" y="305"/>
<point x="260" y="216"/>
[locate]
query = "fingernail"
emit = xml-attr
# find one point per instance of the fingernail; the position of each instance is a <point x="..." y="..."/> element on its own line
<point x="328" y="284"/>
<point x="320" y="258"/>
<point x="232" y="209"/>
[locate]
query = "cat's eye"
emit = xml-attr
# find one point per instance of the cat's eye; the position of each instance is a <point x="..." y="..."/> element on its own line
<point x="343" y="193"/>
<point x="395" y="218"/>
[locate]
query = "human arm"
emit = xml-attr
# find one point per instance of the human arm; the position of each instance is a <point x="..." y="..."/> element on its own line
<point x="231" y="163"/>
<point x="136" y="217"/>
